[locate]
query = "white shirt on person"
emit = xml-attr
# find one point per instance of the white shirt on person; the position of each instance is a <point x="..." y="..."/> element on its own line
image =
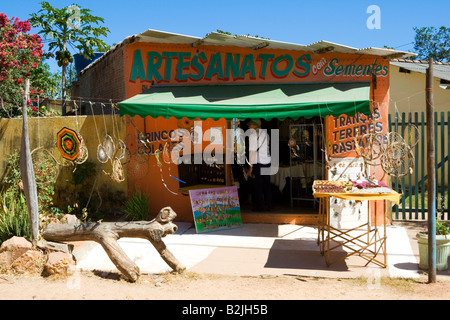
<point x="259" y="142"/>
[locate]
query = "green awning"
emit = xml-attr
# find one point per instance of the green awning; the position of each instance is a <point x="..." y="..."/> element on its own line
<point x="266" y="101"/>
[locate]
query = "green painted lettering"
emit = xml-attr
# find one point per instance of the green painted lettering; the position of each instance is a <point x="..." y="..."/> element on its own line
<point x="215" y="67"/>
<point x="339" y="69"/>
<point x="366" y="70"/>
<point x="169" y="57"/>
<point x="154" y="65"/>
<point x="305" y="65"/>
<point x="198" y="66"/>
<point x="137" y="69"/>
<point x="232" y="65"/>
<point x="378" y="69"/>
<point x="349" y="70"/>
<point x="265" y="57"/>
<point x="181" y="65"/>
<point x="248" y="65"/>
<point x="328" y="71"/>
<point x="282" y="73"/>
<point x="358" y="70"/>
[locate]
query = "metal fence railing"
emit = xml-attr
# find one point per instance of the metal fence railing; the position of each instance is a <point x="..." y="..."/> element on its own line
<point x="413" y="205"/>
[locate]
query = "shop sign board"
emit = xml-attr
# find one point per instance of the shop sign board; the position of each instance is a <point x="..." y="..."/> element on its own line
<point x="215" y="208"/>
<point x="170" y="66"/>
<point x="343" y="130"/>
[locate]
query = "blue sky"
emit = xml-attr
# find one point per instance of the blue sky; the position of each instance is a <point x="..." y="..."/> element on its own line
<point x="297" y="21"/>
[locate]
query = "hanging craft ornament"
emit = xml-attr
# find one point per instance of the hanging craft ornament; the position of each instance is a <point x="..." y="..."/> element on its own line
<point x="122" y="150"/>
<point x="102" y="156"/>
<point x="369" y="147"/>
<point x="108" y="142"/>
<point x="117" y="174"/>
<point x="398" y="159"/>
<point x="158" y="161"/>
<point x="68" y="144"/>
<point x="108" y="146"/>
<point x="411" y="134"/>
<point x="398" y="167"/>
<point x="101" y="153"/>
<point x="167" y="150"/>
<point x="83" y="153"/>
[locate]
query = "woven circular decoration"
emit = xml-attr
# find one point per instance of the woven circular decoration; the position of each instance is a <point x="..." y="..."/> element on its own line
<point x="68" y="143"/>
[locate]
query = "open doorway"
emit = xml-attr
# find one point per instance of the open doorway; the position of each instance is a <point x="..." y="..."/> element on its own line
<point x="301" y="161"/>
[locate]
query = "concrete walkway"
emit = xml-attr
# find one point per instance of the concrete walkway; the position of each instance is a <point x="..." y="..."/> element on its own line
<point x="254" y="250"/>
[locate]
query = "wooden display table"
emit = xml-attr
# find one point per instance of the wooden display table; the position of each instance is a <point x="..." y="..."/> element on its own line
<point x="364" y="240"/>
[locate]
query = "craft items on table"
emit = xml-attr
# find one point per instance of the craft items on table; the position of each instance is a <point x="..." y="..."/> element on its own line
<point x="360" y="186"/>
<point x="326" y="186"/>
<point x="367" y="186"/>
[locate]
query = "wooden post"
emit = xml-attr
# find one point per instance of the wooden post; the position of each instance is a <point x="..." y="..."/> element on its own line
<point x="431" y="176"/>
<point x="27" y="171"/>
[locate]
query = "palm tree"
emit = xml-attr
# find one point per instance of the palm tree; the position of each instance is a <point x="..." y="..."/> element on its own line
<point x="69" y="27"/>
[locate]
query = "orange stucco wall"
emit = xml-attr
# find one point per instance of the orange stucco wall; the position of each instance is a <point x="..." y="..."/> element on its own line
<point x="183" y="65"/>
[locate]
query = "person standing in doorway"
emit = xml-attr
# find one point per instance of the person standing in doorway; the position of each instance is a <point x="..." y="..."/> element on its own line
<point x="259" y="156"/>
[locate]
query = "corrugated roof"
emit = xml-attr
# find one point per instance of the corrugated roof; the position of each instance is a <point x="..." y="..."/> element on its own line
<point x="221" y="39"/>
<point x="441" y="70"/>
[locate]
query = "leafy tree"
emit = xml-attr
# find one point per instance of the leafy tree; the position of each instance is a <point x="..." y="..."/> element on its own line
<point x="20" y="54"/>
<point x="432" y="42"/>
<point x="56" y="78"/>
<point x="43" y="80"/>
<point x="69" y="27"/>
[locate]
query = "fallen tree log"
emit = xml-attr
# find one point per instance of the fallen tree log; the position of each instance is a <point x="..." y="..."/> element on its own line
<point x="107" y="234"/>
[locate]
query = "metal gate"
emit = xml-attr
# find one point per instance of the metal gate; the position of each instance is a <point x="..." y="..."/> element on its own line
<point x="414" y="201"/>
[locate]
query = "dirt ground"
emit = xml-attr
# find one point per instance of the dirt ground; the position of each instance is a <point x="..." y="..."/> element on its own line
<point x="192" y="286"/>
<point x="189" y="286"/>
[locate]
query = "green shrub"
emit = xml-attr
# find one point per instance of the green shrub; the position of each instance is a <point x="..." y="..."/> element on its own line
<point x="14" y="219"/>
<point x="136" y="208"/>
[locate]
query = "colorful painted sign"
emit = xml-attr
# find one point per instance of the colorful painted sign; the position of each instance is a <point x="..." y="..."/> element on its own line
<point x="234" y="66"/>
<point x="215" y="209"/>
<point x="343" y="130"/>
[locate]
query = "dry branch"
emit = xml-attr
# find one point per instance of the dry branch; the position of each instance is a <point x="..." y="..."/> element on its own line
<point x="107" y="234"/>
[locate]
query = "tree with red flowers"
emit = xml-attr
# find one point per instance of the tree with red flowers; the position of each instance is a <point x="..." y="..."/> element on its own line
<point x="20" y="54"/>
